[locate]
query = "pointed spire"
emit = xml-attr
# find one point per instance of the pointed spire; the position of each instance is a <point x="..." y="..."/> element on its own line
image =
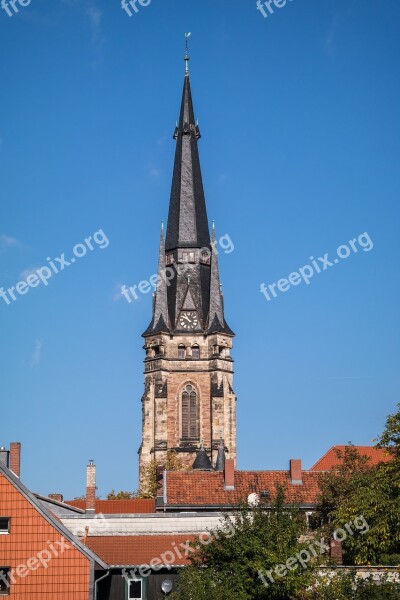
<point x="202" y="461"/>
<point x="160" y="319"/>
<point x="187" y="218"/>
<point x="220" y="462"/>
<point x="216" y="321"/>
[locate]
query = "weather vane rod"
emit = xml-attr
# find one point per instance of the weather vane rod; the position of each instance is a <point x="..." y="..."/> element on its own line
<point x="187" y="36"/>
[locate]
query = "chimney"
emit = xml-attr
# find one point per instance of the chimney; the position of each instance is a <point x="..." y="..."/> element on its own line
<point x="56" y="497"/>
<point x="229" y="474"/>
<point x="336" y="551"/>
<point x="91" y="487"/>
<point x="295" y="471"/>
<point x="4" y="457"/>
<point x="15" y="458"/>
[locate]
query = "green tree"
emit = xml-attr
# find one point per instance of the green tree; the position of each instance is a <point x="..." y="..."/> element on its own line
<point x="356" y="489"/>
<point x="122" y="495"/>
<point x="231" y="565"/>
<point x="148" y="475"/>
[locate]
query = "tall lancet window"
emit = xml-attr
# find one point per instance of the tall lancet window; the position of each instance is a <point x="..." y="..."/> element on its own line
<point x="190" y="414"/>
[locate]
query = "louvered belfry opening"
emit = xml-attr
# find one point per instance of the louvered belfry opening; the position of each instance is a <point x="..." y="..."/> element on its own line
<point x="190" y="414"/>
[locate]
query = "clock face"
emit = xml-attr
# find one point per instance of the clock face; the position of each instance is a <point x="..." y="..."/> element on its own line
<point x="188" y="320"/>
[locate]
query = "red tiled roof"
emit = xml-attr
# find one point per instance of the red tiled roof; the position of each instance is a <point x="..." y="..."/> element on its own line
<point x="131" y="550"/>
<point x="123" y="507"/>
<point x="331" y="458"/>
<point x="202" y="488"/>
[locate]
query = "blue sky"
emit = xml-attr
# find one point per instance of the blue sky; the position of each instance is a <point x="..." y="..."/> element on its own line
<point x="299" y="114"/>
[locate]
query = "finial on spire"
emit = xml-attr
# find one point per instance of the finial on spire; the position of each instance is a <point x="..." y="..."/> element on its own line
<point x="187" y="36"/>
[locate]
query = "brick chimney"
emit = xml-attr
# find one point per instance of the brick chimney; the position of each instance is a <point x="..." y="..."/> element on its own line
<point x="15" y="458"/>
<point x="295" y="471"/>
<point x="91" y="487"/>
<point x="336" y="551"/>
<point x="56" y="497"/>
<point x="229" y="474"/>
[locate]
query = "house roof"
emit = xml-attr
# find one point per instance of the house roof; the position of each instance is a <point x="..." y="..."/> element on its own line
<point x="332" y="458"/>
<point x="191" y="488"/>
<point x="50" y="517"/>
<point x="139" y="550"/>
<point x="118" y="507"/>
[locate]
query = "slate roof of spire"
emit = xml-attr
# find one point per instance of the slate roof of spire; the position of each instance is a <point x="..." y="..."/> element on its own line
<point x="191" y="282"/>
<point x="187" y="219"/>
<point x="202" y="461"/>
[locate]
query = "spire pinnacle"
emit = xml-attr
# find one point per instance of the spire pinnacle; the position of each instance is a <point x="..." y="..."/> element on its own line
<point x="187" y="36"/>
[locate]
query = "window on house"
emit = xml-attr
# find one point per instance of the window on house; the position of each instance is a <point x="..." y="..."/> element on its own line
<point x="4" y="581"/>
<point x="195" y="352"/>
<point x="181" y="352"/>
<point x="190" y="420"/>
<point x="4" y="525"/>
<point x="137" y="589"/>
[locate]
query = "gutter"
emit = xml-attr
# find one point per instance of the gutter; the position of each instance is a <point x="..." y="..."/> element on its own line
<point x="97" y="582"/>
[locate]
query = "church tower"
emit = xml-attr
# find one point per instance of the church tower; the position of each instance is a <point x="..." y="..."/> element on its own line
<point x="188" y="400"/>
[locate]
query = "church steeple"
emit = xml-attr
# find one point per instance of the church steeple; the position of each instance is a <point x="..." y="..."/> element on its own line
<point x="188" y="275"/>
<point x="188" y="393"/>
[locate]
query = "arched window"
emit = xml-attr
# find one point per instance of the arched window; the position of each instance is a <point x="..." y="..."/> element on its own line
<point x="190" y="420"/>
<point x="195" y="352"/>
<point x="181" y="351"/>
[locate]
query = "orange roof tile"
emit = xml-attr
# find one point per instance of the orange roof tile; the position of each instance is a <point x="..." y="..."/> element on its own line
<point x="122" y="507"/>
<point x="191" y="488"/>
<point x="141" y="549"/>
<point x="331" y="458"/>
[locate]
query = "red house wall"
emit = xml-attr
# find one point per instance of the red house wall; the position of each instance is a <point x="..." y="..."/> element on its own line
<point x="32" y="537"/>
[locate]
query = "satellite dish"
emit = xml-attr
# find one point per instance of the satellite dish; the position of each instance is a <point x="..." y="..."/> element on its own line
<point x="253" y="499"/>
<point x="166" y="586"/>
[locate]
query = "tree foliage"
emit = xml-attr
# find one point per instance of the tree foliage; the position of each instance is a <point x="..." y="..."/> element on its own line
<point x="357" y="489"/>
<point x="148" y="475"/>
<point x="229" y="567"/>
<point x="149" y="478"/>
